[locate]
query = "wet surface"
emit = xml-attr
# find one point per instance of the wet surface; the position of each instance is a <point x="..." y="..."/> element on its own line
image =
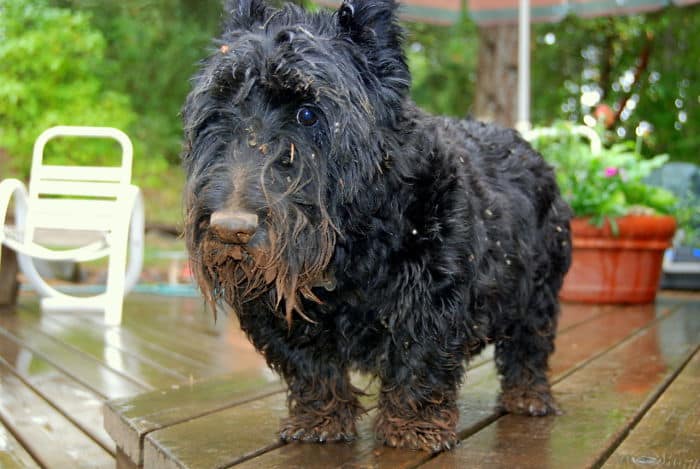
<point x="12" y="453"/>
<point x="669" y="434"/>
<point x="600" y="401"/>
<point x="57" y="371"/>
<point x="586" y="337"/>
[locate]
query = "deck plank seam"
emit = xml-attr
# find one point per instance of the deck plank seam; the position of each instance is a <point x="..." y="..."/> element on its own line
<point x="149" y="344"/>
<point x="46" y="358"/>
<point x="73" y="348"/>
<point x="600" y="460"/>
<point x="59" y="409"/>
<point x="144" y="359"/>
<point x="21" y="440"/>
<point x="246" y="400"/>
<point x="488" y="420"/>
<point x="667" y="313"/>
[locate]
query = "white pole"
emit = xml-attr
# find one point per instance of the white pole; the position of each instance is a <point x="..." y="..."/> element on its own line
<point x="523" y="123"/>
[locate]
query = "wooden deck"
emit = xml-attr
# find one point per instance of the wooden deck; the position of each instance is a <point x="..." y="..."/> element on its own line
<point x="627" y="378"/>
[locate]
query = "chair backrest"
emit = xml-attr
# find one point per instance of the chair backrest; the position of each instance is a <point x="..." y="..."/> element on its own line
<point x="76" y="197"/>
<point x="584" y="131"/>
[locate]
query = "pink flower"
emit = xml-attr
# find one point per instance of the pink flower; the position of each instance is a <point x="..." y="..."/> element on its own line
<point x="611" y="171"/>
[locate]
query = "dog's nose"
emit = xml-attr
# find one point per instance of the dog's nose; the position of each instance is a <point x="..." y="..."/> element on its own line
<point x="236" y="227"/>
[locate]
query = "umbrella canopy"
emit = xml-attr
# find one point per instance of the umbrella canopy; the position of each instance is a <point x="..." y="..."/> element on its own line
<point x="487" y="12"/>
<point x="424" y="11"/>
<point x="506" y="11"/>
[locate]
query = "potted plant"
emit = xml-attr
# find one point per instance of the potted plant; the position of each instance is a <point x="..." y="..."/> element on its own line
<point x="622" y="226"/>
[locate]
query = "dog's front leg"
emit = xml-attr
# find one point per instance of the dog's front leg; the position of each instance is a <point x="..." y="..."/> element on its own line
<point x="421" y="373"/>
<point x="323" y="405"/>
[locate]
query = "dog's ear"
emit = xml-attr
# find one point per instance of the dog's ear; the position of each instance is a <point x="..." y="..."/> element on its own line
<point x="373" y="25"/>
<point x="244" y="14"/>
<point x="362" y="18"/>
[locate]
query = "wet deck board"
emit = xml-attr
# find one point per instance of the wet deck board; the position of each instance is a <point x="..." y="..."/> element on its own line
<point x="140" y="369"/>
<point x="63" y="367"/>
<point x="175" y="322"/>
<point x="51" y="437"/>
<point x="600" y="402"/>
<point x="478" y="396"/>
<point x="576" y="344"/>
<point x="129" y="420"/>
<point x="66" y="395"/>
<point x="12" y="454"/>
<point x="101" y="379"/>
<point x="669" y="434"/>
<point x="176" y="366"/>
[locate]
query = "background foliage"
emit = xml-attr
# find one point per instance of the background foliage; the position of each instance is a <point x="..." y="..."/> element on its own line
<point x="604" y="185"/>
<point x="51" y="58"/>
<point x="128" y="64"/>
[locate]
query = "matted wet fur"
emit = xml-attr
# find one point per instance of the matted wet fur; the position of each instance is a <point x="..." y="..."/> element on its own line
<point x="349" y="230"/>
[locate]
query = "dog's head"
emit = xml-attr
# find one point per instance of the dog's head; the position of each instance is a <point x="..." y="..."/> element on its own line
<point x="283" y="126"/>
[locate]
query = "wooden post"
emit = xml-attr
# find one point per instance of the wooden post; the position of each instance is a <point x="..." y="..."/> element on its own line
<point x="9" y="285"/>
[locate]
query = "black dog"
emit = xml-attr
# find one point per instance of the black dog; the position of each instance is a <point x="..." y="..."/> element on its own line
<point x="348" y="230"/>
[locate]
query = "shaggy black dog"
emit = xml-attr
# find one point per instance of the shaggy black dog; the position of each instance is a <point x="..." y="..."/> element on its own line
<point x="349" y="230"/>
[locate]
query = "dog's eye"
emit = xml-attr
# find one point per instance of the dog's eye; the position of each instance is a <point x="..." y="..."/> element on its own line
<point x="306" y="116"/>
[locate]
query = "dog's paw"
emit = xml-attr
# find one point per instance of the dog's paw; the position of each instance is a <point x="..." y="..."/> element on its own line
<point x="416" y="435"/>
<point x="528" y="401"/>
<point x="325" y="431"/>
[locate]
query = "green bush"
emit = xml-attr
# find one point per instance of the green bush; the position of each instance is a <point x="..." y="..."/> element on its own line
<point x="50" y="58"/>
<point x="605" y="185"/>
<point x="442" y="61"/>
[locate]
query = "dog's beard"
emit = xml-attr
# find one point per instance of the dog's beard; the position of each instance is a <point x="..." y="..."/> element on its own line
<point x="282" y="270"/>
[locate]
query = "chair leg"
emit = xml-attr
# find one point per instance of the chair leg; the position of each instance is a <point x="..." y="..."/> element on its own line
<point x="9" y="285"/>
<point x="113" y="313"/>
<point x="115" y="288"/>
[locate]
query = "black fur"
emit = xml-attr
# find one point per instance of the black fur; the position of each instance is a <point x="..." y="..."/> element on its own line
<point x="388" y="241"/>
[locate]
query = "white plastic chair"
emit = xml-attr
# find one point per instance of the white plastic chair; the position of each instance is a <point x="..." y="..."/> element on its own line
<point x="98" y="200"/>
<point x="590" y="134"/>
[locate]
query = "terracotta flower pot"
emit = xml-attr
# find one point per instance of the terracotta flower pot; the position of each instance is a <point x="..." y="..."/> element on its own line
<point x="617" y="269"/>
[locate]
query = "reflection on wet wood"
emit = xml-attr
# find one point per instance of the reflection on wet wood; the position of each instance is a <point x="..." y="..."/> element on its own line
<point x="80" y="405"/>
<point x="53" y="439"/>
<point x="669" y="434"/>
<point x="12" y="454"/>
<point x="573" y="314"/>
<point x="99" y="378"/>
<point x="600" y="401"/>
<point x="185" y="329"/>
<point x="575" y="344"/>
<point x="597" y="336"/>
<point x="139" y="369"/>
<point x="124" y="342"/>
<point x="60" y="366"/>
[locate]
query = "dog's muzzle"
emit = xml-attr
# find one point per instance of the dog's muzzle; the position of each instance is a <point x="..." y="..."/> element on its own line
<point x="233" y="227"/>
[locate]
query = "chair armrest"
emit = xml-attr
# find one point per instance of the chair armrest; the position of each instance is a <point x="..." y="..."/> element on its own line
<point x="130" y="207"/>
<point x="8" y="188"/>
<point x="129" y="201"/>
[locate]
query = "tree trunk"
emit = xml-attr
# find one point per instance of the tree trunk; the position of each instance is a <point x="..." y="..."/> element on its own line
<point x="496" y="98"/>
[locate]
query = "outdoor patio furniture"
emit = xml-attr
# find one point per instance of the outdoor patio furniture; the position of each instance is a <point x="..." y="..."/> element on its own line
<point x="95" y="207"/>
